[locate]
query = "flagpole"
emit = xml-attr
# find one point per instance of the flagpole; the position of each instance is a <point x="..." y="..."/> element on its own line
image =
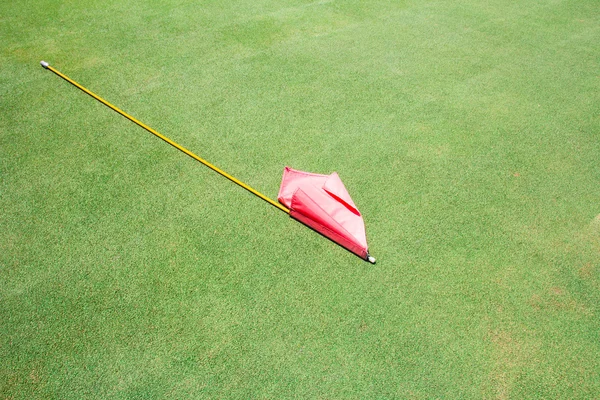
<point x="166" y="139"/>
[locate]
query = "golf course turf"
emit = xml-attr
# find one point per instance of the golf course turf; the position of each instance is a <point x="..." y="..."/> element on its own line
<point x="467" y="133"/>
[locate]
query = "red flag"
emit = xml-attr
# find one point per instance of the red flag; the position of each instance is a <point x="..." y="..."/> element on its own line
<point x="323" y="203"/>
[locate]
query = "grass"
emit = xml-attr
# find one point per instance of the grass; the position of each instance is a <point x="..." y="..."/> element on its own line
<point x="467" y="134"/>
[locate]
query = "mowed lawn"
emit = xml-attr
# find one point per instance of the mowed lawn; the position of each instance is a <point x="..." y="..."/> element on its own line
<point x="467" y="132"/>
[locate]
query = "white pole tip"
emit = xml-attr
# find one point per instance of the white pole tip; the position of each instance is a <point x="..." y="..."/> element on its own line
<point x="371" y="259"/>
<point x="44" y="64"/>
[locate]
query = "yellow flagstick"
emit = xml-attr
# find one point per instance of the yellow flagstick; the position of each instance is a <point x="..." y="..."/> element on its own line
<point x="166" y="139"/>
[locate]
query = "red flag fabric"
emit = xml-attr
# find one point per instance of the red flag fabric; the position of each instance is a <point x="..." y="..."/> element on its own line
<point x="323" y="203"/>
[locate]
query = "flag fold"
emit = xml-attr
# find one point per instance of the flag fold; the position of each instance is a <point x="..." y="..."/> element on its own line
<point x="323" y="203"/>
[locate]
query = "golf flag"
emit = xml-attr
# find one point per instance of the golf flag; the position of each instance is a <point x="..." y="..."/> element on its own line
<point x="323" y="203"/>
<point x="318" y="201"/>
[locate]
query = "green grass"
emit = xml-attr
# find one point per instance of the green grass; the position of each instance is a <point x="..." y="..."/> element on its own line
<point x="468" y="134"/>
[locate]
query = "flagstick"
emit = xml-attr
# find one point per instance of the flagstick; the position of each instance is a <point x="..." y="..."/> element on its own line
<point x="47" y="66"/>
<point x="166" y="139"/>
